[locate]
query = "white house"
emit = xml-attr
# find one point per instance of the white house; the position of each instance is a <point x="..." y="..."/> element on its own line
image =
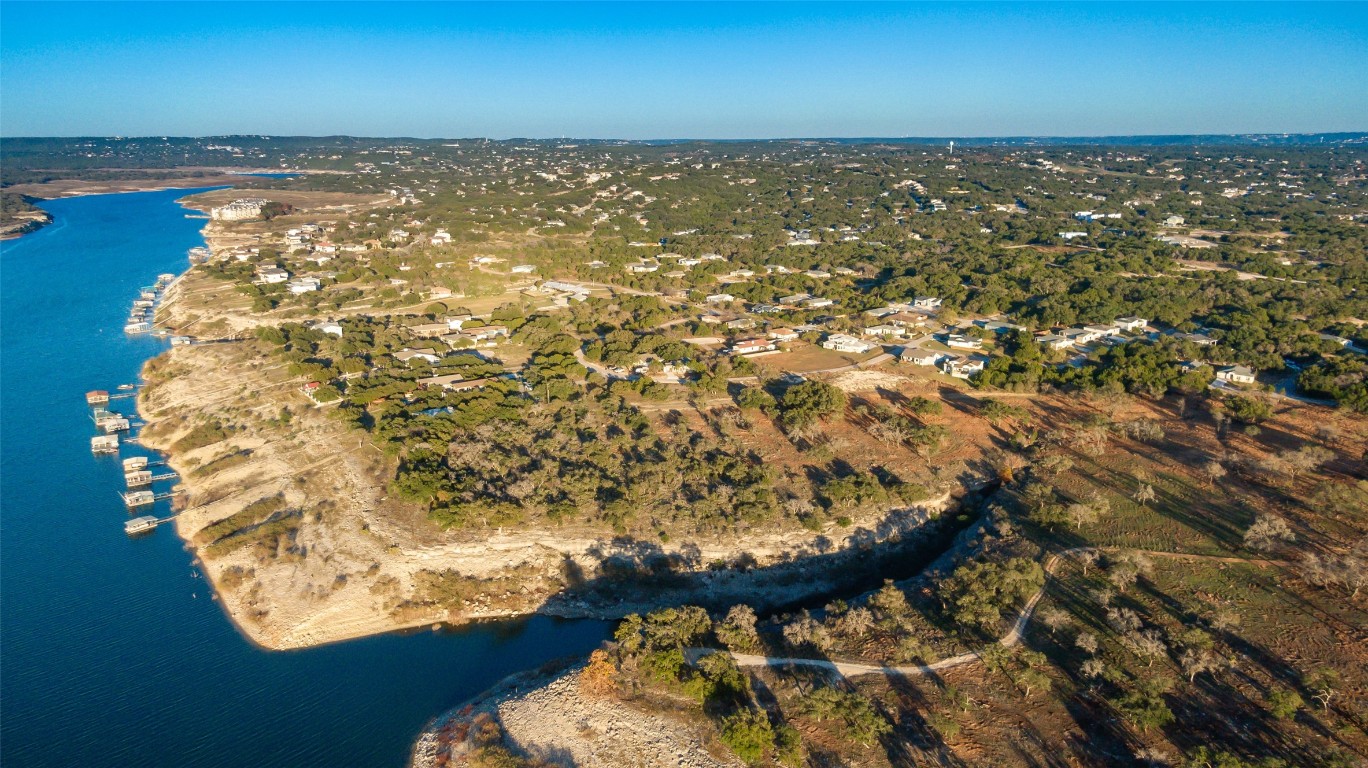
<point x="783" y="334"/>
<point x="1130" y="323"/>
<point x="960" y="341"/>
<point x="752" y="346"/>
<point x="719" y="298"/>
<point x="408" y="355"/>
<point x="926" y="302"/>
<point x="961" y="367"/>
<point x="304" y="285"/>
<point x="332" y="328"/>
<point x="1236" y="374"/>
<point x="795" y="298"/>
<point x="882" y="330"/>
<point x="1174" y="221"/>
<point x="1051" y="341"/>
<point x="918" y="356"/>
<point x="817" y="302"/>
<point x="522" y="269"/>
<point x="272" y="275"/>
<point x="841" y="342"/>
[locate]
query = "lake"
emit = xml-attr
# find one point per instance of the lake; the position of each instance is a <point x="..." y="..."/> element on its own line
<point x="112" y="652"/>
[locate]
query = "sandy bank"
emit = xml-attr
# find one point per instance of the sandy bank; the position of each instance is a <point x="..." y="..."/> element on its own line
<point x="547" y="716"/>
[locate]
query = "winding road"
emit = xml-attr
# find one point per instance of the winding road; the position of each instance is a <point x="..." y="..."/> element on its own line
<point x="1011" y="638"/>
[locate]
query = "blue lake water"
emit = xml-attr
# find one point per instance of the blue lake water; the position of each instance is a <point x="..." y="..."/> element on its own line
<point x="111" y="651"/>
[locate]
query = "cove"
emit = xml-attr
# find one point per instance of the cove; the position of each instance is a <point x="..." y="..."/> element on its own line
<point x="112" y="652"/>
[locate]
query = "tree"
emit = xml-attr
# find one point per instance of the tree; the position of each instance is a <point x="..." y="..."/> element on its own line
<point x="1266" y="531"/>
<point x="1054" y="618"/>
<point x="737" y="631"/>
<point x="977" y="592"/>
<point x="1087" y="642"/>
<point x="1214" y="471"/>
<point x="1144" y="494"/>
<point x="1324" y="685"/>
<point x="599" y="676"/>
<point x="862" y="721"/>
<point x="805" y="403"/>
<point x="1284" y="703"/>
<point x="1144" y="706"/>
<point x="1194" y="662"/>
<point x="748" y="733"/>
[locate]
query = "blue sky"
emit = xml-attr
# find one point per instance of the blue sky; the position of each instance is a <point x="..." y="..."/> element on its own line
<point x="660" y="70"/>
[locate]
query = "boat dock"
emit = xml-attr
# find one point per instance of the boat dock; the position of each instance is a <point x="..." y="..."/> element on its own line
<point x="145" y="477"/>
<point x="104" y="444"/>
<point x="145" y="523"/>
<point x="134" y="499"/>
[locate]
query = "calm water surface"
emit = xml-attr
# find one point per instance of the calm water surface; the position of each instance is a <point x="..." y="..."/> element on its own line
<point x="111" y="651"/>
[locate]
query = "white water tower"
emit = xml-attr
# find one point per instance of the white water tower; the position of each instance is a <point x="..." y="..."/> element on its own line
<point x="952" y="147"/>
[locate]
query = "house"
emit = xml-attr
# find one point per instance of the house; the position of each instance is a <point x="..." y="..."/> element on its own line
<point x="906" y="320"/>
<point x="816" y="302"/>
<point x="961" y="367"/>
<point x="407" y="355"/>
<point x="960" y="341"/>
<point x="1189" y="366"/>
<point x="882" y="330"/>
<point x="246" y="208"/>
<point x="1236" y="374"/>
<point x="741" y="324"/>
<point x="1173" y="221"/>
<point x="304" y="285"/>
<point x="441" y="237"/>
<point x="272" y="275"/>
<point x="751" y="346"/>
<point x="765" y="309"/>
<point x="331" y="328"/>
<point x="486" y="333"/>
<point x="817" y="274"/>
<point x="841" y="342"/>
<point x="1130" y="323"/>
<point x="1200" y="339"/>
<point x="1052" y="341"/>
<point x="1101" y="330"/>
<point x="522" y="269"/>
<point x="919" y="356"/>
<point x="783" y="334"/>
<point x="796" y="298"/>
<point x="1081" y="335"/>
<point x="926" y="302"/>
<point x="398" y="235"/>
<point x="1340" y="340"/>
<point x="1072" y="235"/>
<point x="997" y="326"/>
<point x="430" y="330"/>
<point x="640" y="269"/>
<point x="882" y="312"/>
<point x="719" y="298"/>
<point x="454" y="382"/>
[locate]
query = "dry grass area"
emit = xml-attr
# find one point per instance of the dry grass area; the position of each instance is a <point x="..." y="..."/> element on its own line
<point x="343" y="560"/>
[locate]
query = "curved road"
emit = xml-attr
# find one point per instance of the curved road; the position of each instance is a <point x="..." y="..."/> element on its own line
<point x="1013" y="636"/>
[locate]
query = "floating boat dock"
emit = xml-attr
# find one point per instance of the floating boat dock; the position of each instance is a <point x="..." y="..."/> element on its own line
<point x="145" y="477"/>
<point x="104" y="444"/>
<point x="134" y="499"/>
<point x="144" y="524"/>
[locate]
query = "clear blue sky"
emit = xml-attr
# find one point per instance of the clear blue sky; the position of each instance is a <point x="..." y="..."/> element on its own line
<point x="669" y="71"/>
